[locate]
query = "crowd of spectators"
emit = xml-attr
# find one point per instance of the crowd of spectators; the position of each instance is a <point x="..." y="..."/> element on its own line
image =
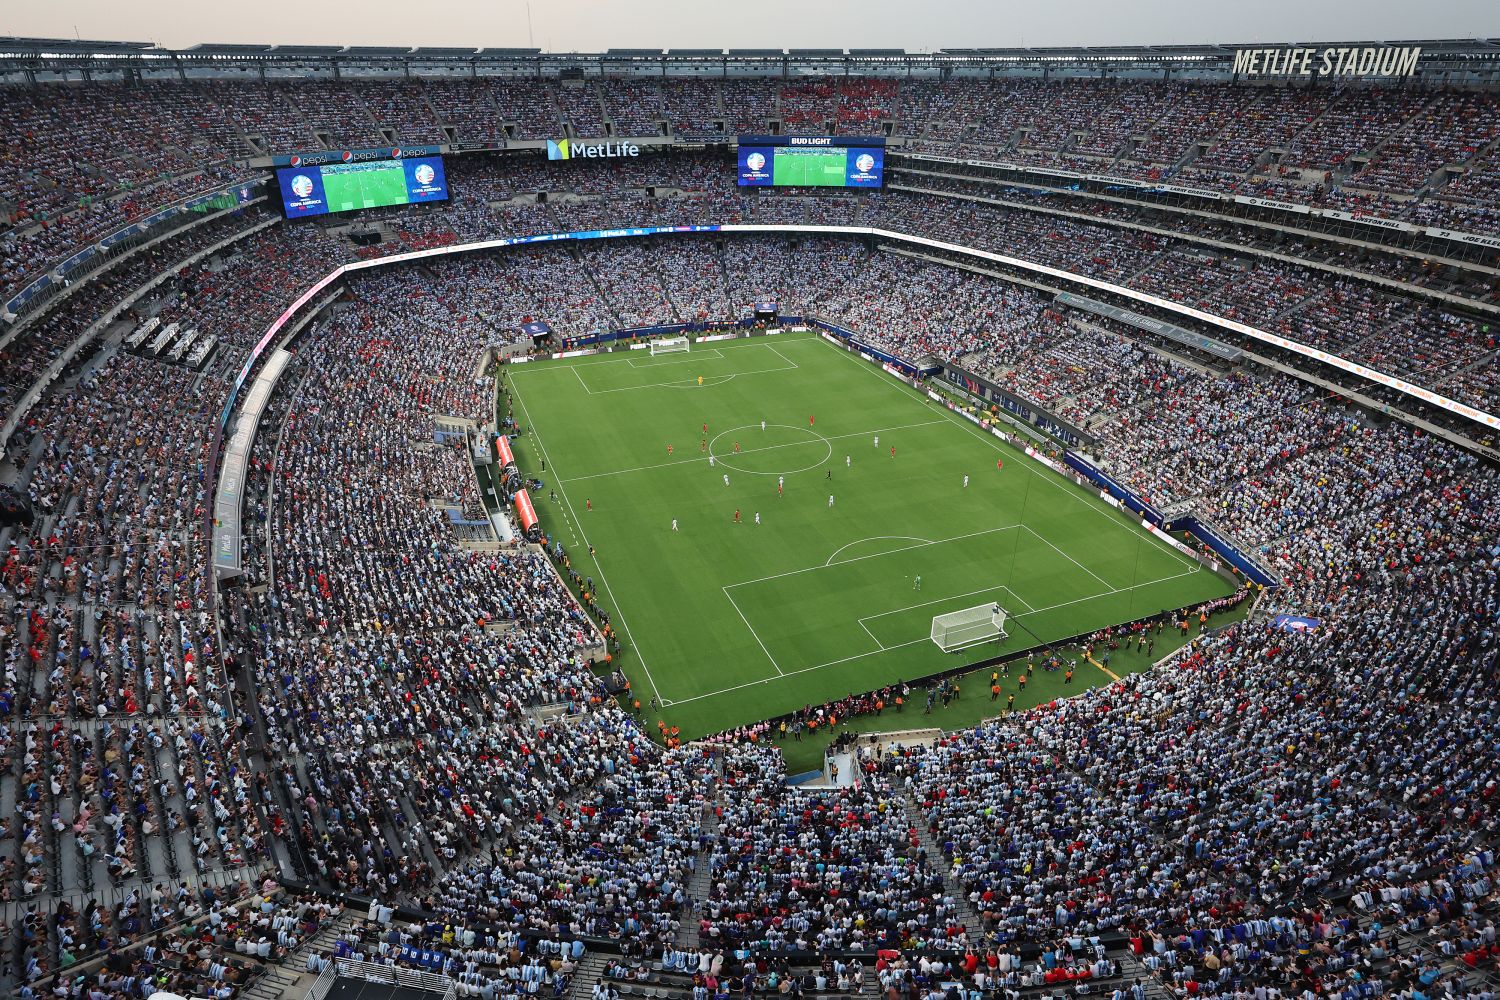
<point x="409" y="718"/>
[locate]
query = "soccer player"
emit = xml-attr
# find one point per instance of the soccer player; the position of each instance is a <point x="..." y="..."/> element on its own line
<point x="830" y="474"/>
<point x="703" y="445"/>
<point x="877" y="440"/>
<point x="669" y="451"/>
<point x="999" y="464"/>
<point x="674" y="524"/>
<point x="757" y="517"/>
<point x="736" y="447"/>
<point x="762" y="425"/>
<point x="710" y="461"/>
<point x="966" y="482"/>
<point x="846" y="461"/>
<point x="809" y="420"/>
<point x="726" y="479"/>
<point x="780" y="482"/>
<point x="588" y="504"/>
<point x="893" y="451"/>
<point x="830" y="500"/>
<point x="700" y="379"/>
<point x="705" y="426"/>
<point x="917" y="583"/>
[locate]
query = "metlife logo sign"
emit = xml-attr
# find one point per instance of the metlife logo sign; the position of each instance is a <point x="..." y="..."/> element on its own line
<point x="564" y="149"/>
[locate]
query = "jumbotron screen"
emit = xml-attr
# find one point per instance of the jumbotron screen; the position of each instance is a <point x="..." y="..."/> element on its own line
<point x="811" y="161"/>
<point x="346" y="187"/>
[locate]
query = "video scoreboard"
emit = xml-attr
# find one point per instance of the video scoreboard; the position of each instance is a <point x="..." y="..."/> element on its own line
<point x="344" y="187"/>
<point x="811" y="161"/>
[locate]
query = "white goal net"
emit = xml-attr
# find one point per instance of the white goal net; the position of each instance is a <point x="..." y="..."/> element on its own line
<point x="969" y="627"/>
<point x="669" y="345"/>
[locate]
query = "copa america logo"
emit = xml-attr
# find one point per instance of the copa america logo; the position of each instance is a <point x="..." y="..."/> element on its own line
<point x="865" y="163"/>
<point x="424" y="174"/>
<point x="302" y="185"/>
<point x="755" y="161"/>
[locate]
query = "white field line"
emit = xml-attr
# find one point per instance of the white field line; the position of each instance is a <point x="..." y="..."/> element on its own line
<point x="994" y="443"/>
<point x="619" y="609"/>
<point x="915" y="642"/>
<point x="651" y="362"/>
<point x="748" y="451"/>
<point x="756" y="634"/>
<point x="878" y="538"/>
<point x="872" y="555"/>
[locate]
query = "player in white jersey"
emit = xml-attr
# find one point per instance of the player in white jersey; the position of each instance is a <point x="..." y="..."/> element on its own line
<point x="674" y="524"/>
<point x="757" y="517"/>
<point x="830" y="499"/>
<point x="966" y="482"/>
<point x="726" y="479"/>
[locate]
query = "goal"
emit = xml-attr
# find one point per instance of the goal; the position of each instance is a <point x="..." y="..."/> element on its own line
<point x="669" y="345"/>
<point x="960" y="629"/>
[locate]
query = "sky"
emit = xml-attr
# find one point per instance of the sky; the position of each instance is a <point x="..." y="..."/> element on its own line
<point x="594" y="25"/>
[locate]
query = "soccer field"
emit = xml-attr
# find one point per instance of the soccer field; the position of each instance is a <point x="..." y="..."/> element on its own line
<point x="810" y="168"/>
<point x="364" y="188"/>
<point x="729" y="623"/>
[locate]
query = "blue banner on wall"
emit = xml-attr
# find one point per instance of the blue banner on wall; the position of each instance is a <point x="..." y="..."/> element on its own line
<point x="1195" y="527"/>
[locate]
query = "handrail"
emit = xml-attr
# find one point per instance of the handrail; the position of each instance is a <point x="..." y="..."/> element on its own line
<point x="379" y="972"/>
<point x="324" y="983"/>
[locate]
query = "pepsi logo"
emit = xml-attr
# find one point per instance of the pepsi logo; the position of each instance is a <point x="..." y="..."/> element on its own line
<point x="296" y="161"/>
<point x="347" y="156"/>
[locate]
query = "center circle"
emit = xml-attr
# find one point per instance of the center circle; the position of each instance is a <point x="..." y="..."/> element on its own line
<point x="755" y="442"/>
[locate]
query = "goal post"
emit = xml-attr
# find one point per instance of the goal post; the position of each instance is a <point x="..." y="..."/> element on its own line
<point x="960" y="629"/>
<point x="670" y="345"/>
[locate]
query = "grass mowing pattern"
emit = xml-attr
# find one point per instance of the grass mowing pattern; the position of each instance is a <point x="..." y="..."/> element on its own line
<point x="730" y="623"/>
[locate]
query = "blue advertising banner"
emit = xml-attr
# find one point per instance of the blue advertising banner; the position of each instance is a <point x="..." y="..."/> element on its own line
<point x="1295" y="623"/>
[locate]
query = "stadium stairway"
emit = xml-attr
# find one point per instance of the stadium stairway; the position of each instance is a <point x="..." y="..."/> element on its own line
<point x="1132" y="968"/>
<point x="701" y="881"/>
<point x="290" y="977"/>
<point x="967" y="915"/>
<point x="590" y="970"/>
<point x="702" y="877"/>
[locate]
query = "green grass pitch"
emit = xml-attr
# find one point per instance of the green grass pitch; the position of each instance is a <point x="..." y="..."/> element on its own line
<point x="810" y="168"/>
<point x="364" y="188"/>
<point x="730" y="623"/>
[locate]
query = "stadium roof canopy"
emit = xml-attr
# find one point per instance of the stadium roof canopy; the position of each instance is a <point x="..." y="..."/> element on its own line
<point x="1469" y="61"/>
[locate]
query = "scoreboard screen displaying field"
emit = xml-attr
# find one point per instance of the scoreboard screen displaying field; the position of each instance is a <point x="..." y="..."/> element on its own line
<point x="345" y="187"/>
<point x="811" y="161"/>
